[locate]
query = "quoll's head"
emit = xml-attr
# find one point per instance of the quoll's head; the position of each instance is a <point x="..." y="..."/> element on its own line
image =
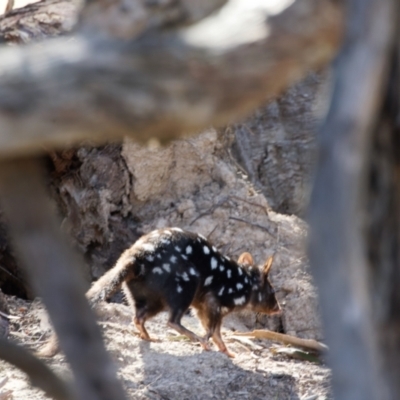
<point x="263" y="297"/>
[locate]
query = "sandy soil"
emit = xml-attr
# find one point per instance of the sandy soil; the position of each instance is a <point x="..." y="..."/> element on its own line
<point x="174" y="368"/>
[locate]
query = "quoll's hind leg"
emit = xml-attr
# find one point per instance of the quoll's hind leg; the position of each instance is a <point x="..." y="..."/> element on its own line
<point x="139" y="319"/>
<point x="210" y="316"/>
<point x="179" y="298"/>
<point x="143" y="311"/>
<point x="175" y="323"/>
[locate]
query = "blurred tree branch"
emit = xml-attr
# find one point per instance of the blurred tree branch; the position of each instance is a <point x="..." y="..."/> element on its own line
<point x="162" y="83"/>
<point x="341" y="215"/>
<point x="54" y="271"/>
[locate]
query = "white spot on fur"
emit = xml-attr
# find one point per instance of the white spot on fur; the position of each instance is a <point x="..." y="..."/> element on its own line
<point x="167" y="232"/>
<point x="167" y="267"/>
<point x="179" y="289"/>
<point x="221" y="267"/>
<point x="177" y="229"/>
<point x="239" y="286"/>
<point x="185" y="277"/>
<point x="259" y="297"/>
<point x="178" y="249"/>
<point x="221" y="291"/>
<point x="206" y="250"/>
<point x="240" y="271"/>
<point x="150" y="258"/>
<point x="192" y="271"/>
<point x="214" y="249"/>
<point x="230" y="290"/>
<point x="172" y="259"/>
<point x="200" y="235"/>
<point x="229" y="273"/>
<point x="148" y="247"/>
<point x="227" y="258"/>
<point x="214" y="263"/>
<point x="165" y="241"/>
<point x="246" y="280"/>
<point x="157" y="270"/>
<point x="208" y="281"/>
<point x="158" y="256"/>
<point x="189" y="250"/>
<point x="199" y="240"/>
<point x="184" y="257"/>
<point x="240" y="301"/>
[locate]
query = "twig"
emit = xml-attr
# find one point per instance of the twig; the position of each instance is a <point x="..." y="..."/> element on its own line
<point x="286" y="339"/>
<point x="9" y="6"/>
<point x="264" y="228"/>
<point x="8" y="316"/>
<point x="213" y="230"/>
<point x="251" y="203"/>
<point x="9" y="273"/>
<point x="211" y="209"/>
<point x="39" y="373"/>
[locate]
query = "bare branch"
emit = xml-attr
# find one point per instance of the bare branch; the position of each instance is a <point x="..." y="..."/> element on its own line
<point x="162" y="84"/>
<point x="309" y="344"/>
<point x="39" y="373"/>
<point x="53" y="270"/>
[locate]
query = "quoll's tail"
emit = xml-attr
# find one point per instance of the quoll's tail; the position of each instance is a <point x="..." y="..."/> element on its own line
<point x="113" y="279"/>
<point x="101" y="290"/>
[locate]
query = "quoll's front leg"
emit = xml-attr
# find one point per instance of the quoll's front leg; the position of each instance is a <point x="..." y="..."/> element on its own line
<point x="220" y="343"/>
<point x="175" y="323"/>
<point x="209" y="312"/>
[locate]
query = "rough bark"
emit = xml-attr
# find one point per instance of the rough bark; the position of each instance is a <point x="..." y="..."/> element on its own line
<point x="277" y="145"/>
<point x="357" y="330"/>
<point x="54" y="271"/>
<point x="38" y="21"/>
<point x="383" y="228"/>
<point x="128" y="91"/>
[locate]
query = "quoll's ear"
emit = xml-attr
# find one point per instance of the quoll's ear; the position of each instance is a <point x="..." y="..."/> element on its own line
<point x="246" y="259"/>
<point x="268" y="265"/>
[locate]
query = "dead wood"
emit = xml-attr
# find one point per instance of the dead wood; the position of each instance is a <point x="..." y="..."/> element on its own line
<point x="286" y="339"/>
<point x="163" y="83"/>
<point x="338" y="251"/>
<point x="54" y="271"/>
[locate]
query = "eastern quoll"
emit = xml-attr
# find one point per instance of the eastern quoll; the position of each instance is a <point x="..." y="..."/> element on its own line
<point x="171" y="269"/>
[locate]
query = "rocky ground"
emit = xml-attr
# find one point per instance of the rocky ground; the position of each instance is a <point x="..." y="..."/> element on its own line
<point x="173" y="368"/>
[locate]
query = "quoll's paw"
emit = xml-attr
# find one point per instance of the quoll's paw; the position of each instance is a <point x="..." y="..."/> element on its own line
<point x="228" y="353"/>
<point x="149" y="339"/>
<point x="205" y="345"/>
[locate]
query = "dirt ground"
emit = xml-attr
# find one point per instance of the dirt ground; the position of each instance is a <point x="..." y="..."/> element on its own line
<point x="173" y="368"/>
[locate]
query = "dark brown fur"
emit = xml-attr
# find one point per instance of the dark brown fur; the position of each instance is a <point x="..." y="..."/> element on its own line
<point x="173" y="270"/>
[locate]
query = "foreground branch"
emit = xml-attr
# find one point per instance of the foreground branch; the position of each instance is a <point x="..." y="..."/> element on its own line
<point x="338" y="253"/>
<point x="163" y="83"/>
<point x="54" y="272"/>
